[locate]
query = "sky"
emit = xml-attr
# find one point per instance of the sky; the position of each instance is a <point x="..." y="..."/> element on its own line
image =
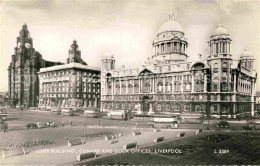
<point x="124" y="27"/>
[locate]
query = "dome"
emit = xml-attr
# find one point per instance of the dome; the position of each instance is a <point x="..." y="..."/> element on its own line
<point x="247" y="53"/>
<point x="220" y="31"/>
<point x="170" y="25"/>
<point x="108" y="55"/>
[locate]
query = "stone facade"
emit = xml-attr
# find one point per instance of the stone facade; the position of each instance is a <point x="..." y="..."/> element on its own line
<point x="72" y="85"/>
<point x="218" y="85"/>
<point x="23" y="82"/>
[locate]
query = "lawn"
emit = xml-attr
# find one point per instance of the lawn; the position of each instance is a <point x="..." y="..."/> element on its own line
<point x="206" y="148"/>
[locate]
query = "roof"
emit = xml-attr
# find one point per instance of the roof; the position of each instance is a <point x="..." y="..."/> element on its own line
<point x="170" y="25"/>
<point x="69" y="66"/>
<point x="220" y="31"/>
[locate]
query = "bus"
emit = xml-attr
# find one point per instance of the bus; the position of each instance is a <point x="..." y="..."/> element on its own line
<point x="120" y="114"/>
<point x="91" y="113"/>
<point x="67" y="111"/>
<point x="164" y="121"/>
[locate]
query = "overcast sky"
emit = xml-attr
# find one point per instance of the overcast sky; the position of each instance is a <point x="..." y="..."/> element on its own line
<point x="126" y="28"/>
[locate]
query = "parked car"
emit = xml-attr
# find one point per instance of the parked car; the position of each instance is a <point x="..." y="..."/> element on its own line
<point x="221" y="124"/>
<point x="31" y="126"/>
<point x="253" y="125"/>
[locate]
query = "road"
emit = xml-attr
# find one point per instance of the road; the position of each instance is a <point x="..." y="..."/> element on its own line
<point x="18" y="119"/>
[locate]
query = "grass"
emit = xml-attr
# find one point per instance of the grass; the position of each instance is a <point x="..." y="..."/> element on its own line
<point x="196" y="150"/>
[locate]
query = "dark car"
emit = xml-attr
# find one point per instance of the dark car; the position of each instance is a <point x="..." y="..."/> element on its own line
<point x="31" y="126"/>
<point x="221" y="124"/>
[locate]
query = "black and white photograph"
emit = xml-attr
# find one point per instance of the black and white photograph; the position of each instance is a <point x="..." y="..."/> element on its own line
<point x="129" y="82"/>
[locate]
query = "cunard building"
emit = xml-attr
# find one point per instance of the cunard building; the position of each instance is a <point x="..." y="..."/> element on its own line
<point x="167" y="82"/>
<point x="23" y="82"/>
<point x="72" y="85"/>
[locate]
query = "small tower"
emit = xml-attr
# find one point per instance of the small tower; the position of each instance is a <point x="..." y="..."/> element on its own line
<point x="74" y="53"/>
<point x="108" y="62"/>
<point x="220" y="59"/>
<point x="247" y="60"/>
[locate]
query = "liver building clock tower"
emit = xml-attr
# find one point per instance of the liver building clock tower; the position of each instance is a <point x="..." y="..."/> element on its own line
<point x="22" y="71"/>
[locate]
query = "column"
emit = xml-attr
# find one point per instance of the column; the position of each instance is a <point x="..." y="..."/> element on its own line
<point x="113" y="84"/>
<point x="181" y="84"/>
<point x="192" y="82"/>
<point x="139" y="85"/>
<point x="120" y="86"/>
<point x="164" y="82"/>
<point x="235" y="83"/>
<point x="205" y="81"/>
<point x="153" y="84"/>
<point x="172" y="84"/>
<point x="126" y="86"/>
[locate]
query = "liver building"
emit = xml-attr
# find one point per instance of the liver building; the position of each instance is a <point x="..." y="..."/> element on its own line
<point x="23" y="82"/>
<point x="167" y="83"/>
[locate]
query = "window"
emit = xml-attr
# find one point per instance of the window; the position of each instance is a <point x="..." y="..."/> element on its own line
<point x="187" y="108"/>
<point x="177" y="107"/>
<point x="159" y="87"/>
<point x="169" y="68"/>
<point x="167" y="107"/>
<point x="136" y="88"/>
<point x="147" y="88"/>
<point x="130" y="88"/>
<point x="224" y="64"/>
<point x="117" y="89"/>
<point x="123" y="89"/>
<point x="109" y="89"/>
<point x="159" y="107"/>
<point x="215" y="87"/>
<point x="168" y="87"/>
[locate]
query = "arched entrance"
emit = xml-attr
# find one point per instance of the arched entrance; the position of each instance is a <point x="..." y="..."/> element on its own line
<point x="146" y="103"/>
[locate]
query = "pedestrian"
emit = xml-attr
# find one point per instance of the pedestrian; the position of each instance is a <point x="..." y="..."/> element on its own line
<point x="70" y="122"/>
<point x="62" y="123"/>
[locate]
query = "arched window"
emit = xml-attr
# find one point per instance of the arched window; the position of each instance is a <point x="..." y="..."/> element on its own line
<point x="198" y="108"/>
<point x="109" y="89"/>
<point x="177" y="107"/>
<point x="117" y="105"/>
<point x="187" y="108"/>
<point x="147" y="88"/>
<point x="168" y="87"/>
<point x="159" y="107"/>
<point x="159" y="87"/>
<point x="117" y="89"/>
<point x="136" y="88"/>
<point x="123" y="106"/>
<point x="123" y="89"/>
<point x="130" y="88"/>
<point x="167" y="107"/>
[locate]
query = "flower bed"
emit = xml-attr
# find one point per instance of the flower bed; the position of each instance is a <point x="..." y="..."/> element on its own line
<point x="215" y="138"/>
<point x="251" y="134"/>
<point x="119" y="163"/>
<point x="95" y="135"/>
<point x="28" y="144"/>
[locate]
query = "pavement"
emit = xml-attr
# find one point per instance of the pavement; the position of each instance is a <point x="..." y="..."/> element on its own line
<point x="67" y="155"/>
